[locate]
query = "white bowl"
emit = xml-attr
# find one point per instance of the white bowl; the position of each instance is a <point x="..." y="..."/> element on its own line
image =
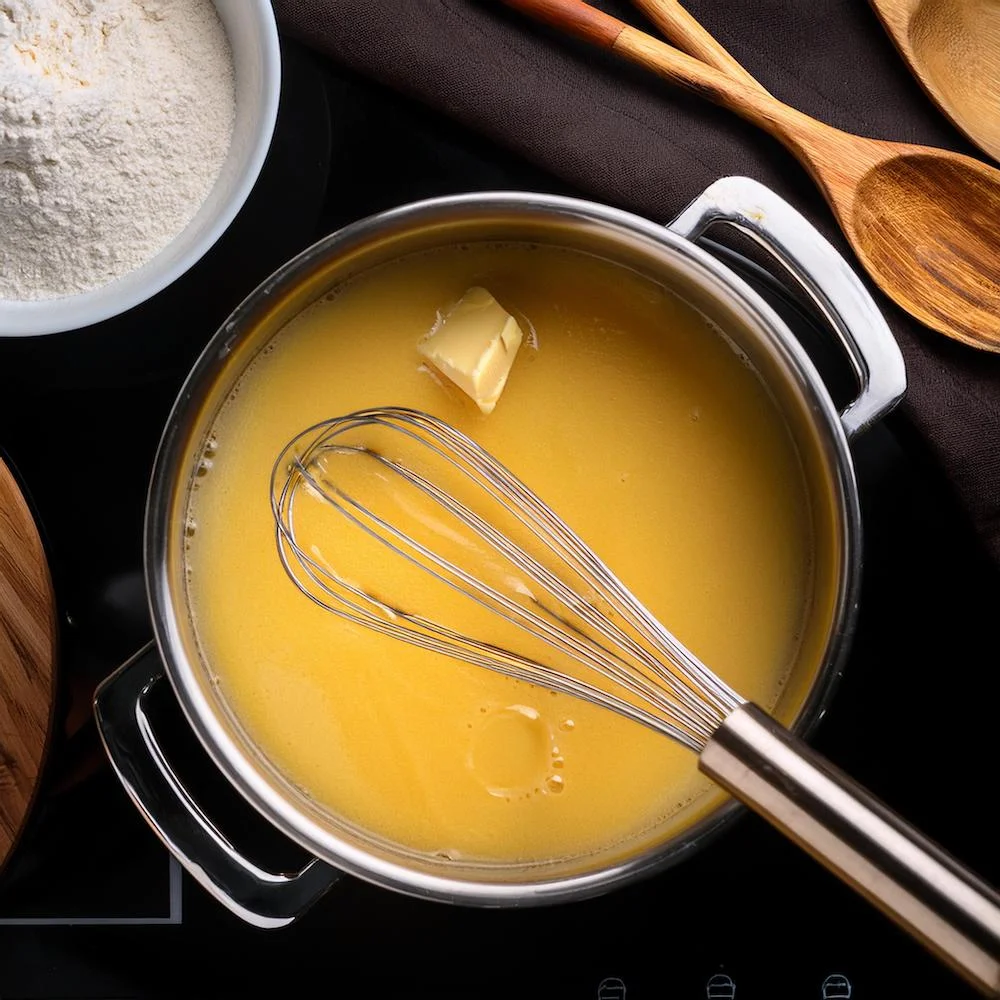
<point x="253" y="39"/>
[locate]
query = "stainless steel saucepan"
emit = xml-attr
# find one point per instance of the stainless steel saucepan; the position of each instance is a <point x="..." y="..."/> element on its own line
<point x="671" y="256"/>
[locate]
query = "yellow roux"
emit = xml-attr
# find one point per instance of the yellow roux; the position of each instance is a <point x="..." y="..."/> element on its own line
<point x="628" y="414"/>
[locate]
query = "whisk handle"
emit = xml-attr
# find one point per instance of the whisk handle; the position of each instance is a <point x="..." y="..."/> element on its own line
<point x="926" y="891"/>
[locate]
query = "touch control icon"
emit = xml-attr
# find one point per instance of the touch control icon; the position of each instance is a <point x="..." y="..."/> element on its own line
<point x="720" y="987"/>
<point x="836" y="987"/>
<point x="611" y="989"/>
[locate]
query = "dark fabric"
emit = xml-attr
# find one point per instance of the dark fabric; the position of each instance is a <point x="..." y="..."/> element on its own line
<point x="633" y="141"/>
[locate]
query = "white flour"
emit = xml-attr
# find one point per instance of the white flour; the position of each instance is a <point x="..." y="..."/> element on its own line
<point x="115" y="117"/>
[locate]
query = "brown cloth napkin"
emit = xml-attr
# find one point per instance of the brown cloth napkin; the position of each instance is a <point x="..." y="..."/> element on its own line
<point x="633" y="141"/>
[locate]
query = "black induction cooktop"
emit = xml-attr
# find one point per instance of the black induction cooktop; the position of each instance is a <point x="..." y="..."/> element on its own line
<point x="92" y="906"/>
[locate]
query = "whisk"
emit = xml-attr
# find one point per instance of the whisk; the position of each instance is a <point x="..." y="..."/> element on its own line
<point x="448" y="503"/>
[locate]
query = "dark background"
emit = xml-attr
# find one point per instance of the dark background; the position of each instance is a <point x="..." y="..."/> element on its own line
<point x="80" y="416"/>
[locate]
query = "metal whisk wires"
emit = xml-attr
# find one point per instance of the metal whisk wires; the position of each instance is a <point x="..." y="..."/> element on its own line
<point x="564" y="594"/>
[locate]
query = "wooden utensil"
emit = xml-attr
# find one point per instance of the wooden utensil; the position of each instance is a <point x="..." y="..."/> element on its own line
<point x="27" y="660"/>
<point x="953" y="48"/>
<point x="691" y="37"/>
<point x="923" y="221"/>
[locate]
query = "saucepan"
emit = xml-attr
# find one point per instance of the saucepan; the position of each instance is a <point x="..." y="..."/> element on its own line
<point x="670" y="254"/>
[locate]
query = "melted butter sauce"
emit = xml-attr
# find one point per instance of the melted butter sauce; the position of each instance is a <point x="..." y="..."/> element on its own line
<point x="637" y="423"/>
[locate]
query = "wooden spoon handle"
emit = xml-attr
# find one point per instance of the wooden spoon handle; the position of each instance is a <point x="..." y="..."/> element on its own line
<point x="575" y="18"/>
<point x="689" y="35"/>
<point x="752" y="102"/>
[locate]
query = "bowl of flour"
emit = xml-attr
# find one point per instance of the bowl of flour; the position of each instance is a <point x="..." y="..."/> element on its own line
<point x="131" y="134"/>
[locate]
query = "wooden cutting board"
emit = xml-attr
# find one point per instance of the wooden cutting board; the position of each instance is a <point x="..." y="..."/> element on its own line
<point x="27" y="660"/>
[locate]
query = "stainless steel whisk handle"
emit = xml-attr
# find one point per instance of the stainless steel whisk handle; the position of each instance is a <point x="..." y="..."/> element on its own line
<point x="861" y="840"/>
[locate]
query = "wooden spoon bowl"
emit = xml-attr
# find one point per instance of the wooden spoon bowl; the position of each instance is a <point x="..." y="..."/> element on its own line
<point x="953" y="49"/>
<point x="917" y="217"/>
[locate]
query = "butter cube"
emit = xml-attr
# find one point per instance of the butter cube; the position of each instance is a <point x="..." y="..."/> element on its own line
<point x="474" y="346"/>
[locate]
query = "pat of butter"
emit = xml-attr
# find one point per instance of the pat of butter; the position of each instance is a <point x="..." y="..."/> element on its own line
<point x="474" y="346"/>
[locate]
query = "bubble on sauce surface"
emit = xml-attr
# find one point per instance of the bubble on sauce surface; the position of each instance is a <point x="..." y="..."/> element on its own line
<point x="511" y="752"/>
<point x="338" y="290"/>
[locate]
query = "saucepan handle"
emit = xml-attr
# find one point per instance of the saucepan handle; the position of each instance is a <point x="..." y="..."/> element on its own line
<point x="823" y="275"/>
<point x="926" y="891"/>
<point x="260" y="897"/>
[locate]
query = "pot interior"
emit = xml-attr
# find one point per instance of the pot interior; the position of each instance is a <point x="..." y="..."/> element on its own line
<point x="750" y="330"/>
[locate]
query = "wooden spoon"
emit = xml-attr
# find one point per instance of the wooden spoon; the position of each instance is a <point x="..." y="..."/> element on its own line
<point x="953" y="49"/>
<point x="923" y="221"/>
